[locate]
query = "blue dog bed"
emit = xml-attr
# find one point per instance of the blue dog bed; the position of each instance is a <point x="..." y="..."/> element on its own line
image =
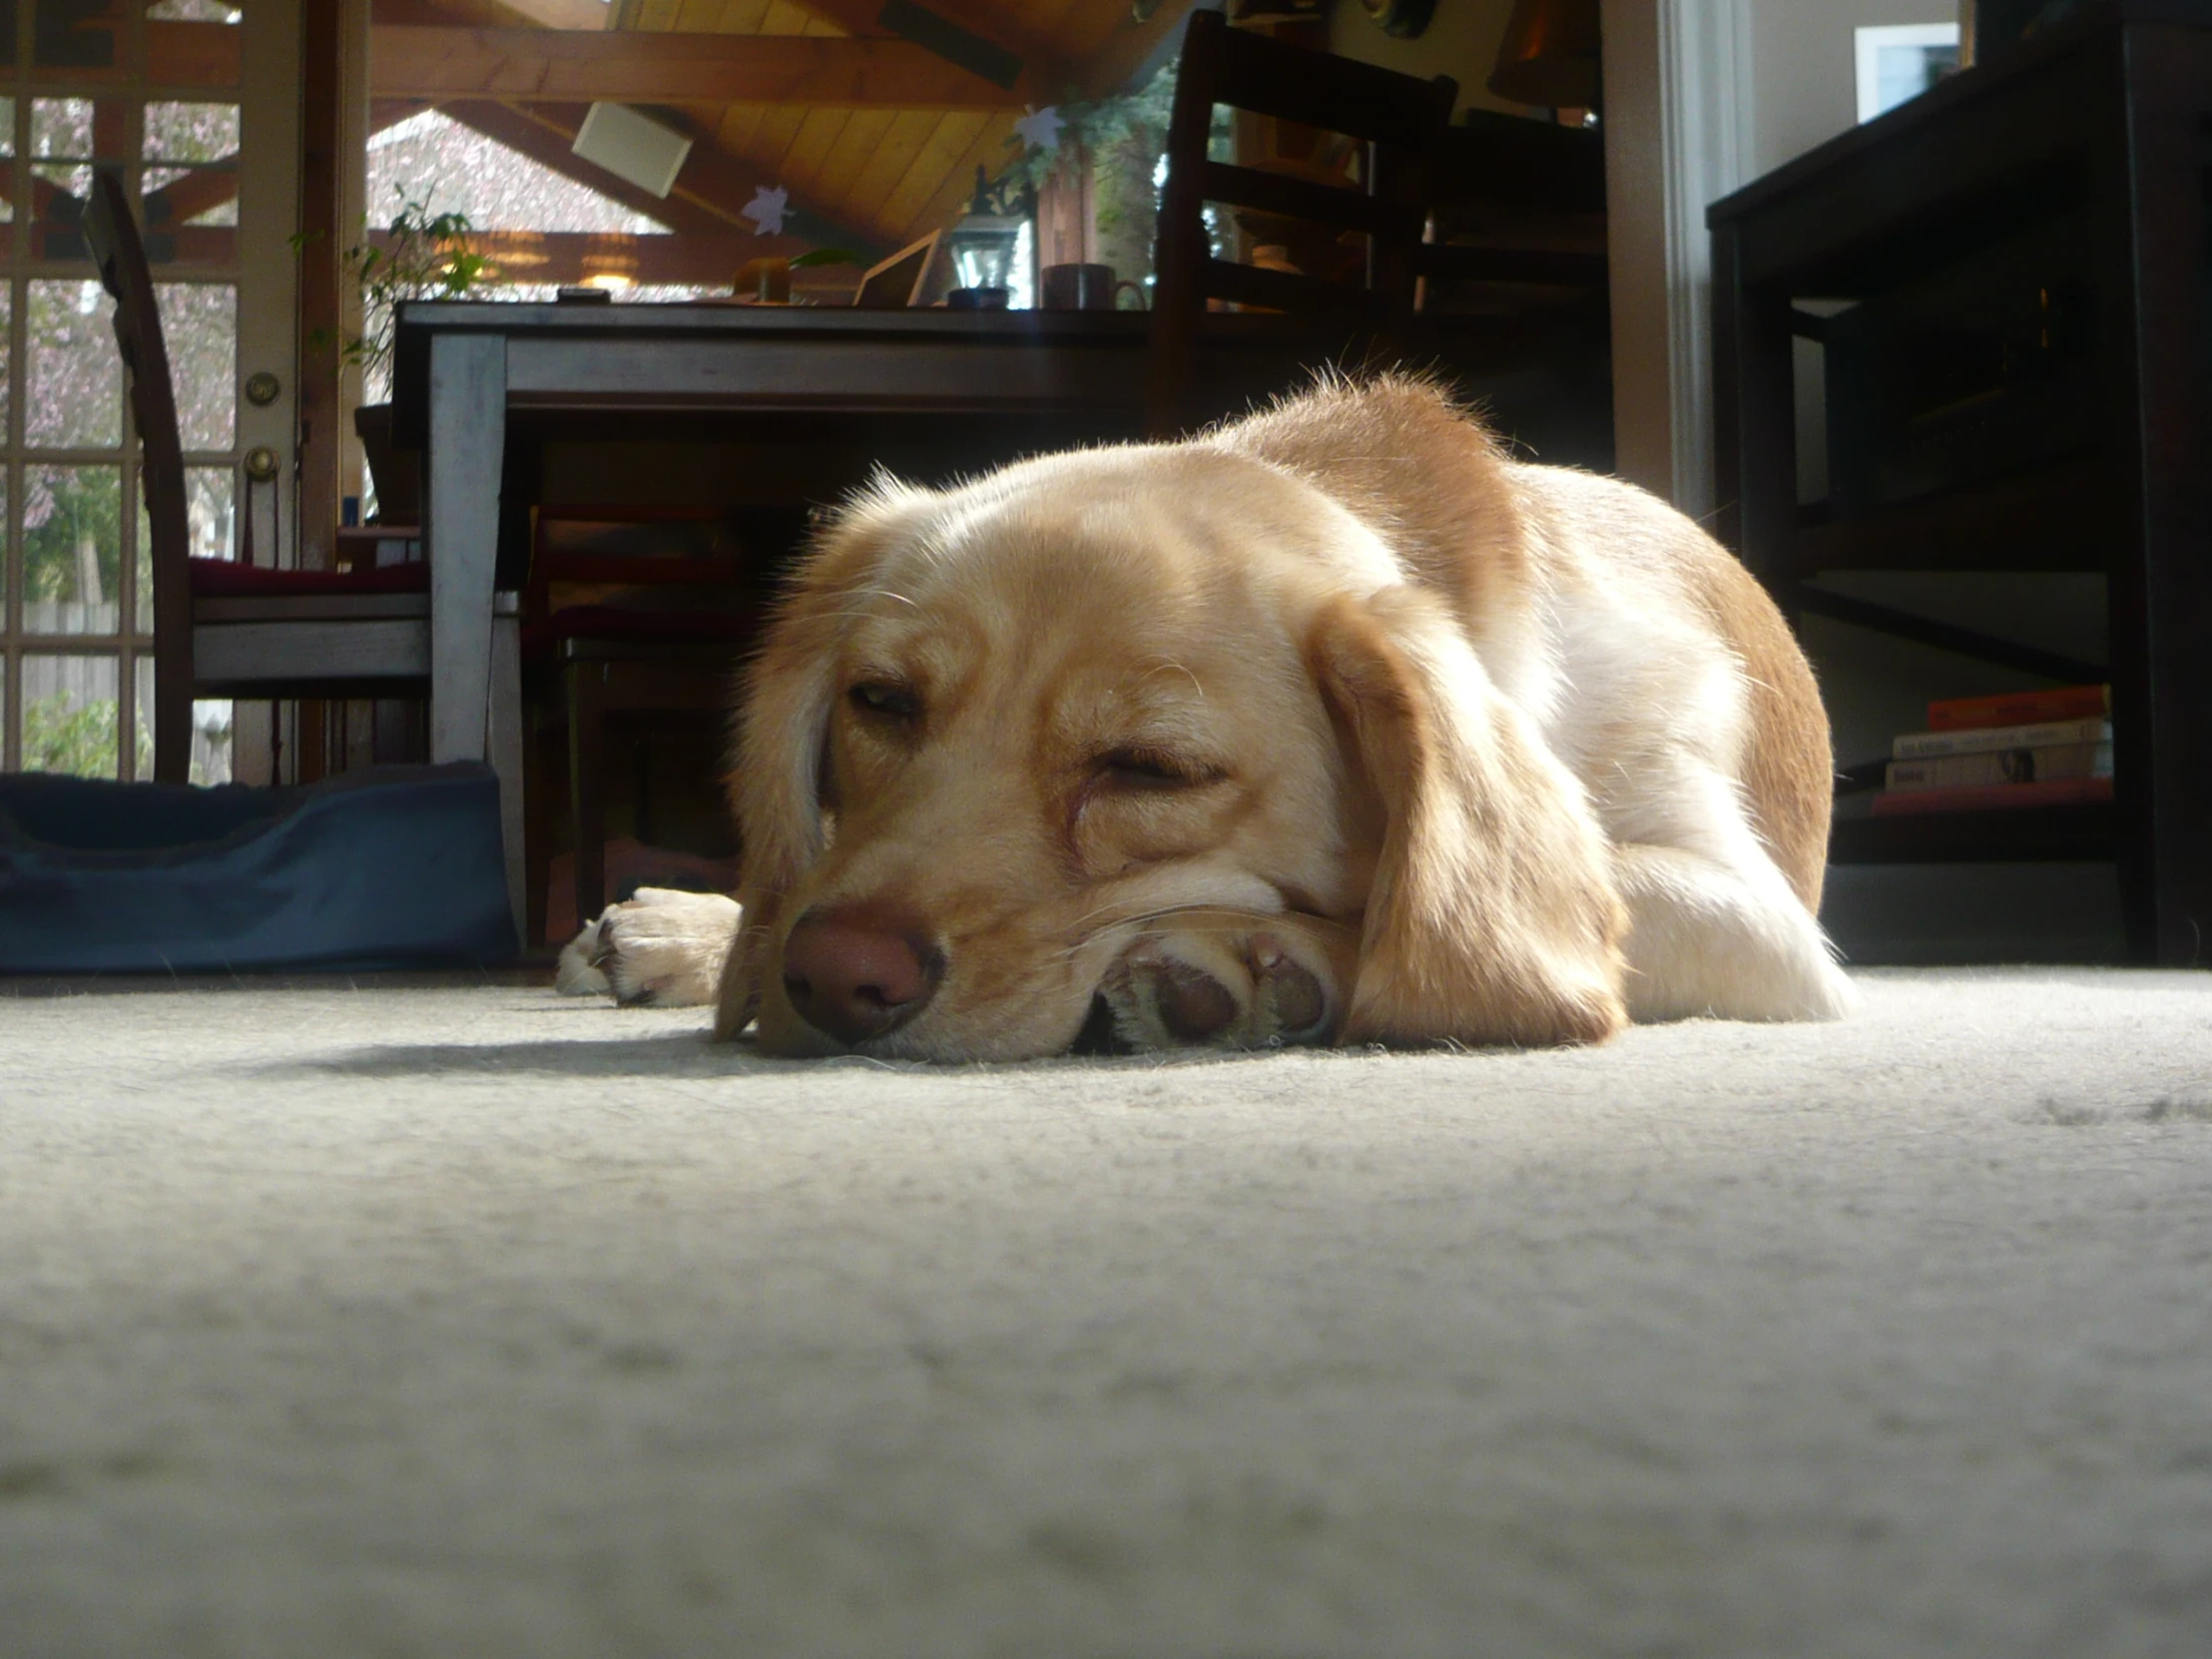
<point x="395" y="867"/>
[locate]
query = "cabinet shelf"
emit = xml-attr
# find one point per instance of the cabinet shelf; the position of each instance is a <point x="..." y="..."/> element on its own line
<point x="2054" y="518"/>
<point x="2082" y="831"/>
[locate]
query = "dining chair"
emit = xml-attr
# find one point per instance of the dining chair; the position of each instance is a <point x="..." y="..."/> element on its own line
<point x="629" y="612"/>
<point x="230" y="629"/>
<point x="1393" y="121"/>
<point x="1516" y="220"/>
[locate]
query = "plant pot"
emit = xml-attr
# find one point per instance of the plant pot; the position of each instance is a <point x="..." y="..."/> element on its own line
<point x="396" y="472"/>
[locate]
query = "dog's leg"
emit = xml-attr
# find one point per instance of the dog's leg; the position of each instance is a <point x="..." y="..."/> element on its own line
<point x="1708" y="937"/>
<point x="663" y="949"/>
<point x="1232" y="980"/>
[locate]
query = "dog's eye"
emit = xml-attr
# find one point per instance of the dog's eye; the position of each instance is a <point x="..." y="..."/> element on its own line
<point x="1148" y="769"/>
<point x="885" y="699"/>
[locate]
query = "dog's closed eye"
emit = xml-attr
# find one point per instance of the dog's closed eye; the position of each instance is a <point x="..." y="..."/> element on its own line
<point x="1136" y="768"/>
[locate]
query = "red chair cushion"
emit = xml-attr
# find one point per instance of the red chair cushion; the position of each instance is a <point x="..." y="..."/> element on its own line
<point x="228" y="579"/>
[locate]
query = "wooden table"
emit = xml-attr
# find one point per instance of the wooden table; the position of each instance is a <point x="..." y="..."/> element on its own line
<point x="469" y="376"/>
<point x="463" y="370"/>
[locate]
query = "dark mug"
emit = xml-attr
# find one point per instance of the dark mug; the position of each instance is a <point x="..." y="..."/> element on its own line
<point x="1079" y="288"/>
<point x="976" y="299"/>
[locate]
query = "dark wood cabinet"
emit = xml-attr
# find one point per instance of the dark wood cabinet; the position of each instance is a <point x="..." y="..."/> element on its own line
<point x="2007" y="283"/>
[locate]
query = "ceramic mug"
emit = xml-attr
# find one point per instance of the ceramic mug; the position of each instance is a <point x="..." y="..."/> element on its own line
<point x="1080" y="287"/>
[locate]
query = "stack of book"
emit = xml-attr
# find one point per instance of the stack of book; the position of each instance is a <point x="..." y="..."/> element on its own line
<point x="2027" y="749"/>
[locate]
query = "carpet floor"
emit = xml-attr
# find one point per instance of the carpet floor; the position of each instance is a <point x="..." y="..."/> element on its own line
<point x="460" y="1320"/>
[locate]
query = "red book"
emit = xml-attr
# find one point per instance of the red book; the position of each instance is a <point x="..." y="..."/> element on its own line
<point x="1976" y="797"/>
<point x="1960" y="713"/>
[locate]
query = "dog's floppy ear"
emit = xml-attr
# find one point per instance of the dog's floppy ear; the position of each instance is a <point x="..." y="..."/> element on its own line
<point x="1492" y="918"/>
<point x="778" y="780"/>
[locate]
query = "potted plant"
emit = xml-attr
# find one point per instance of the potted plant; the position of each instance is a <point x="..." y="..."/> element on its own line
<point x="421" y="256"/>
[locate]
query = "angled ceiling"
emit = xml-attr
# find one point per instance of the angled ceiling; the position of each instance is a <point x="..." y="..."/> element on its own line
<point x="871" y="114"/>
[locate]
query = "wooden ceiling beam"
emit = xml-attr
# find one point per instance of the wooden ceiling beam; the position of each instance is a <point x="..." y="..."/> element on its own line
<point x="955" y="31"/>
<point x="547" y="143"/>
<point x="545" y="65"/>
<point x="188" y="197"/>
<point x="386" y="113"/>
<point x="710" y="191"/>
<point x="1134" y="53"/>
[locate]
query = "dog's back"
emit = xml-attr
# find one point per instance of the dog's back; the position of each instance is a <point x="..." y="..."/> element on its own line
<point x="1609" y="617"/>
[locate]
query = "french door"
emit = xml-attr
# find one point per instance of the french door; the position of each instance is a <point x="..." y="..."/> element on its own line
<point x="193" y="103"/>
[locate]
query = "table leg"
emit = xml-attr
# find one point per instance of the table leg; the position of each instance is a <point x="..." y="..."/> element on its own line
<point x="468" y="430"/>
<point x="506" y="746"/>
<point x="587" y="761"/>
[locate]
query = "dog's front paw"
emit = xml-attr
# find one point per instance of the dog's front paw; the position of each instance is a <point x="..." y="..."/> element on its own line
<point x="663" y="949"/>
<point x="1229" y="980"/>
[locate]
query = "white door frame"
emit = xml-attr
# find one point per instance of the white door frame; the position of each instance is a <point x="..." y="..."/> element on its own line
<point x="1678" y="119"/>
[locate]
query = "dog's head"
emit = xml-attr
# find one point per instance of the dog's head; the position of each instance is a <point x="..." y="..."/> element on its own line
<point x="996" y="728"/>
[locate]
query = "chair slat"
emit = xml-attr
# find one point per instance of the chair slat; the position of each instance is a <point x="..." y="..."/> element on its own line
<point x="1277" y="193"/>
<point x="267" y="654"/>
<point x="363" y="607"/>
<point x="1287" y="290"/>
<point x="1398" y="115"/>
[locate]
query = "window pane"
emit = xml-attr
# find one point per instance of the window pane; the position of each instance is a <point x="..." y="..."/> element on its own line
<point x="211" y="732"/>
<point x="68" y="715"/>
<point x="72" y="546"/>
<point x="189" y="211"/>
<point x="200" y="323"/>
<point x="58" y="198"/>
<point x="65" y="134"/>
<point x="193" y="11"/>
<point x="7" y="172"/>
<point x="434" y="164"/>
<point x="191" y="216"/>
<point x="211" y="531"/>
<point x="208" y="498"/>
<point x="192" y="132"/>
<point x="75" y="396"/>
<point x="62" y="128"/>
<point x="7" y="337"/>
<point x="142" y="597"/>
<point x="190" y="195"/>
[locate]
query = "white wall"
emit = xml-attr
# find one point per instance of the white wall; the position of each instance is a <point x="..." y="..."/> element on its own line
<point x="1803" y="71"/>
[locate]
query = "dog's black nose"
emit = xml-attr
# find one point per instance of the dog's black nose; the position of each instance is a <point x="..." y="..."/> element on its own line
<point x="857" y="973"/>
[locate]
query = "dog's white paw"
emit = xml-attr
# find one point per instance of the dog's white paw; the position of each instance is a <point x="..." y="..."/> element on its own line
<point x="663" y="949"/>
<point x="1230" y="979"/>
<point x="576" y="974"/>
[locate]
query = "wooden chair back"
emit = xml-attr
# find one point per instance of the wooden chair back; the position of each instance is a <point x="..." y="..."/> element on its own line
<point x="1397" y="119"/>
<point x="119" y="254"/>
<point x="1516" y="217"/>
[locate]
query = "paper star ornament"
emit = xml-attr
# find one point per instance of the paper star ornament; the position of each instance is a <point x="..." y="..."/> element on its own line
<point x="767" y="210"/>
<point x="1040" y="128"/>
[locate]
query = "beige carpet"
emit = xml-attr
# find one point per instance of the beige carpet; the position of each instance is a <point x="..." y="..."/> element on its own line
<point x="415" y="1321"/>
